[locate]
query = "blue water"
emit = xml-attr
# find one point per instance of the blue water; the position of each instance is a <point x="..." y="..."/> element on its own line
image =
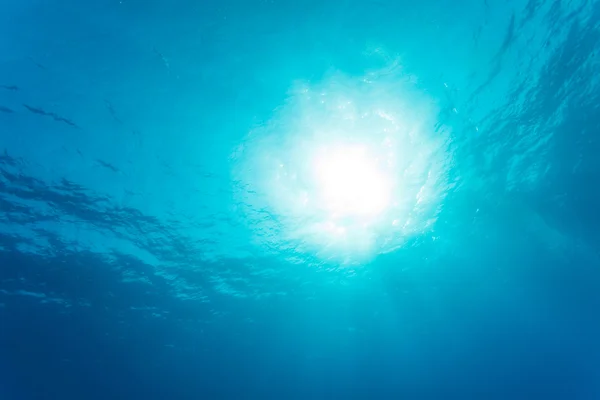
<point x="161" y="238"/>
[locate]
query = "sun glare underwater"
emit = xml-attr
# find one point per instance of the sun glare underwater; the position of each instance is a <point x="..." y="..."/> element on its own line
<point x="345" y="169"/>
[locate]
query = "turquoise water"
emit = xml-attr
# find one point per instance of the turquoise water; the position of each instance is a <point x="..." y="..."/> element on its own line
<point x="277" y="199"/>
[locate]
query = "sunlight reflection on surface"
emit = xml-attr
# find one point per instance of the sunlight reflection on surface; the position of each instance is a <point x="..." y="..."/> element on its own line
<point x="349" y="182"/>
<point x="345" y="169"/>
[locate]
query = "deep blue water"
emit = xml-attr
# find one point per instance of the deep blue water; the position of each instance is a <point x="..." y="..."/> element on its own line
<point x="149" y="247"/>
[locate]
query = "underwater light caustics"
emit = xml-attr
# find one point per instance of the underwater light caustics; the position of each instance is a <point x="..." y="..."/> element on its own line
<point x="350" y="182"/>
<point x="347" y="169"/>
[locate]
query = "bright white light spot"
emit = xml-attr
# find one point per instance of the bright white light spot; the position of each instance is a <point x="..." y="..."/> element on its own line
<point x="350" y="182"/>
<point x="346" y="169"/>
